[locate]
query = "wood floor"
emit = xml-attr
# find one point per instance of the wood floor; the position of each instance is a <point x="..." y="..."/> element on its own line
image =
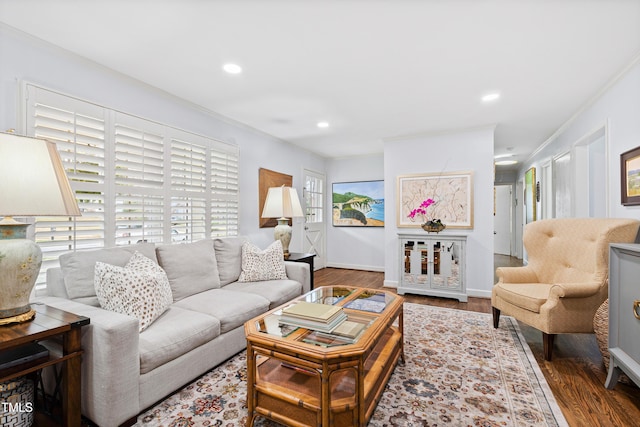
<point x="576" y="374"/>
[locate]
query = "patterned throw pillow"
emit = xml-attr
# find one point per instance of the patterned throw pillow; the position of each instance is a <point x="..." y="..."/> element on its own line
<point x="140" y="289"/>
<point x="260" y="265"/>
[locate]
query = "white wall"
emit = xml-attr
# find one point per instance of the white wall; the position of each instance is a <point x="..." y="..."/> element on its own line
<point x="617" y="110"/>
<point x="25" y="58"/>
<point x="359" y="248"/>
<point x="461" y="151"/>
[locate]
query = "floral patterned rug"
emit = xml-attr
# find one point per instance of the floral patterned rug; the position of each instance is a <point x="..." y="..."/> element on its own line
<point x="459" y="371"/>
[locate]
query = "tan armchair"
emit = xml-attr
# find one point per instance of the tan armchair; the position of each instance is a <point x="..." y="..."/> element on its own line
<point x="565" y="280"/>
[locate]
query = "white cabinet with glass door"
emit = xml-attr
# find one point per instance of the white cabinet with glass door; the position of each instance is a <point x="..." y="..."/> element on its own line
<point x="433" y="264"/>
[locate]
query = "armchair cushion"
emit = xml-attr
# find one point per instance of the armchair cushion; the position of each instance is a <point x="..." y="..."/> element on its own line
<point x="530" y="296"/>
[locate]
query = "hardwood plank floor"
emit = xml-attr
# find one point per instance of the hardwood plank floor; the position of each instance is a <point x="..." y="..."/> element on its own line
<point x="576" y="374"/>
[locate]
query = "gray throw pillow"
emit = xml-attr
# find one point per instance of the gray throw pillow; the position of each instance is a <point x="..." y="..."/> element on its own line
<point x="78" y="268"/>
<point x="229" y="256"/>
<point x="191" y="267"/>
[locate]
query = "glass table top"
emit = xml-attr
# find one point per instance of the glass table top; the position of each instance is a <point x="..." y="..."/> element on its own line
<point x="362" y="306"/>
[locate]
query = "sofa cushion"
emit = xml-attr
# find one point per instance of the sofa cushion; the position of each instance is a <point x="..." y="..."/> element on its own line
<point x="229" y="256"/>
<point x="139" y="289"/>
<point x="259" y="265"/>
<point x="177" y="332"/>
<point x="232" y="308"/>
<point x="276" y="291"/>
<point x="78" y="268"/>
<point x="191" y="267"/>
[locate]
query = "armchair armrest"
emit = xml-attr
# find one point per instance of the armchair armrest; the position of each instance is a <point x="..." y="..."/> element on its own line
<point x="110" y="363"/>
<point x="575" y="290"/>
<point x="300" y="272"/>
<point x="516" y="275"/>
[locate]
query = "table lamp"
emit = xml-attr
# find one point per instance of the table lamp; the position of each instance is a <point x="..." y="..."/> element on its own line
<point x="32" y="183"/>
<point x="282" y="203"/>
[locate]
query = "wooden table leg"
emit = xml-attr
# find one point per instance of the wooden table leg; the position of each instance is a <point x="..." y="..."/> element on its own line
<point x="72" y="379"/>
<point x="401" y="328"/>
<point x="251" y="375"/>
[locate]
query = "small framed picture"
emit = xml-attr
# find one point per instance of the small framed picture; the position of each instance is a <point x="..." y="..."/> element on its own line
<point x="630" y="177"/>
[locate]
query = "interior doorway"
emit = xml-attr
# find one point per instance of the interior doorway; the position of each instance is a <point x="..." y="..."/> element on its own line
<point x="314" y="226"/>
<point x="503" y="219"/>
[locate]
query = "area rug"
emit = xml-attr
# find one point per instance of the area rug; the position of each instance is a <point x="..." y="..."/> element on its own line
<point x="459" y="371"/>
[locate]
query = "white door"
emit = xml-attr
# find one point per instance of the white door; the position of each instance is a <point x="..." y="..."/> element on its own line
<point x="314" y="229"/>
<point x="502" y="220"/>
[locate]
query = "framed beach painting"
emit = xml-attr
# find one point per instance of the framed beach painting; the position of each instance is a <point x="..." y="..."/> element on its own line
<point x="451" y="196"/>
<point x="358" y="204"/>
<point x="630" y="177"/>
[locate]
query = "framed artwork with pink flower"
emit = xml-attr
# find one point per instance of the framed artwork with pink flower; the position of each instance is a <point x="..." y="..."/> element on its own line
<point x="430" y="198"/>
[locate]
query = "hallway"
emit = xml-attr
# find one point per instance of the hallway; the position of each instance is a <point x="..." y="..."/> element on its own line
<point x="504" y="261"/>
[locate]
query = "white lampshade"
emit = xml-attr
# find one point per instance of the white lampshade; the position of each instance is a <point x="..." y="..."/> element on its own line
<point x="32" y="179"/>
<point x="32" y="183"/>
<point x="282" y="202"/>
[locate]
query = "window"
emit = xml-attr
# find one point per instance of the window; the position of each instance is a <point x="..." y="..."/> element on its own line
<point x="135" y="180"/>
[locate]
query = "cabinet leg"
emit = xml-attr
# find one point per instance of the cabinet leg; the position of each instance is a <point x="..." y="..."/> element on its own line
<point x="612" y="376"/>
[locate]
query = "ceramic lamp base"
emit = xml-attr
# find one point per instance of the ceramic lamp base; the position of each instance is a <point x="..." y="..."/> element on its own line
<point x="20" y="261"/>
<point x="282" y="232"/>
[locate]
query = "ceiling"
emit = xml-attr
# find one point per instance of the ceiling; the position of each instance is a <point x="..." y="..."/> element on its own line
<point x="374" y="70"/>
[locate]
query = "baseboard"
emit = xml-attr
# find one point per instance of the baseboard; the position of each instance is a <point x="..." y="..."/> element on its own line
<point x="478" y="293"/>
<point x="390" y="284"/>
<point x="356" y="267"/>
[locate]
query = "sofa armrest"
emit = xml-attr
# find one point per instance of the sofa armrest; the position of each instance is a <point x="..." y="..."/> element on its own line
<point x="301" y="272"/>
<point x="110" y="363"/>
<point x="516" y="275"/>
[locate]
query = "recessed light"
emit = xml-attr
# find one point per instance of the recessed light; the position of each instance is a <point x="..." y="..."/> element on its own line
<point x="323" y="124"/>
<point x="501" y="156"/>
<point x="490" y="97"/>
<point x="506" y="162"/>
<point x="232" y="68"/>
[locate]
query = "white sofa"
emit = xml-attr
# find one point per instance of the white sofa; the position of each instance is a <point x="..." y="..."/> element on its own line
<point x="125" y="371"/>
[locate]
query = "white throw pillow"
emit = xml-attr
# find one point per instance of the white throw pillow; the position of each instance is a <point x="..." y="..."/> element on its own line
<point x="260" y="265"/>
<point x="140" y="289"/>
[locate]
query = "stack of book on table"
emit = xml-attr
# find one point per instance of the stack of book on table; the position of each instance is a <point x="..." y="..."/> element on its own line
<point x="348" y="332"/>
<point x="318" y="317"/>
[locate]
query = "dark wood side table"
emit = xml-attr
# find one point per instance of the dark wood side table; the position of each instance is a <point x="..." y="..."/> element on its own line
<point x="302" y="257"/>
<point x="51" y="322"/>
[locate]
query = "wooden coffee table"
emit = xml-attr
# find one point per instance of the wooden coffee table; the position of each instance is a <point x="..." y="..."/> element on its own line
<point x="299" y="377"/>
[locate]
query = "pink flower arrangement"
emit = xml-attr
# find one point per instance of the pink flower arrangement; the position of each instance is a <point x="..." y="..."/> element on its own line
<point x="421" y="210"/>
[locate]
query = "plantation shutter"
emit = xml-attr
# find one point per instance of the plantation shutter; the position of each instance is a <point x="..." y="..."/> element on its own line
<point x="135" y="180"/>
<point x="189" y="196"/>
<point x="224" y="190"/>
<point x="139" y="181"/>
<point x="78" y="129"/>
